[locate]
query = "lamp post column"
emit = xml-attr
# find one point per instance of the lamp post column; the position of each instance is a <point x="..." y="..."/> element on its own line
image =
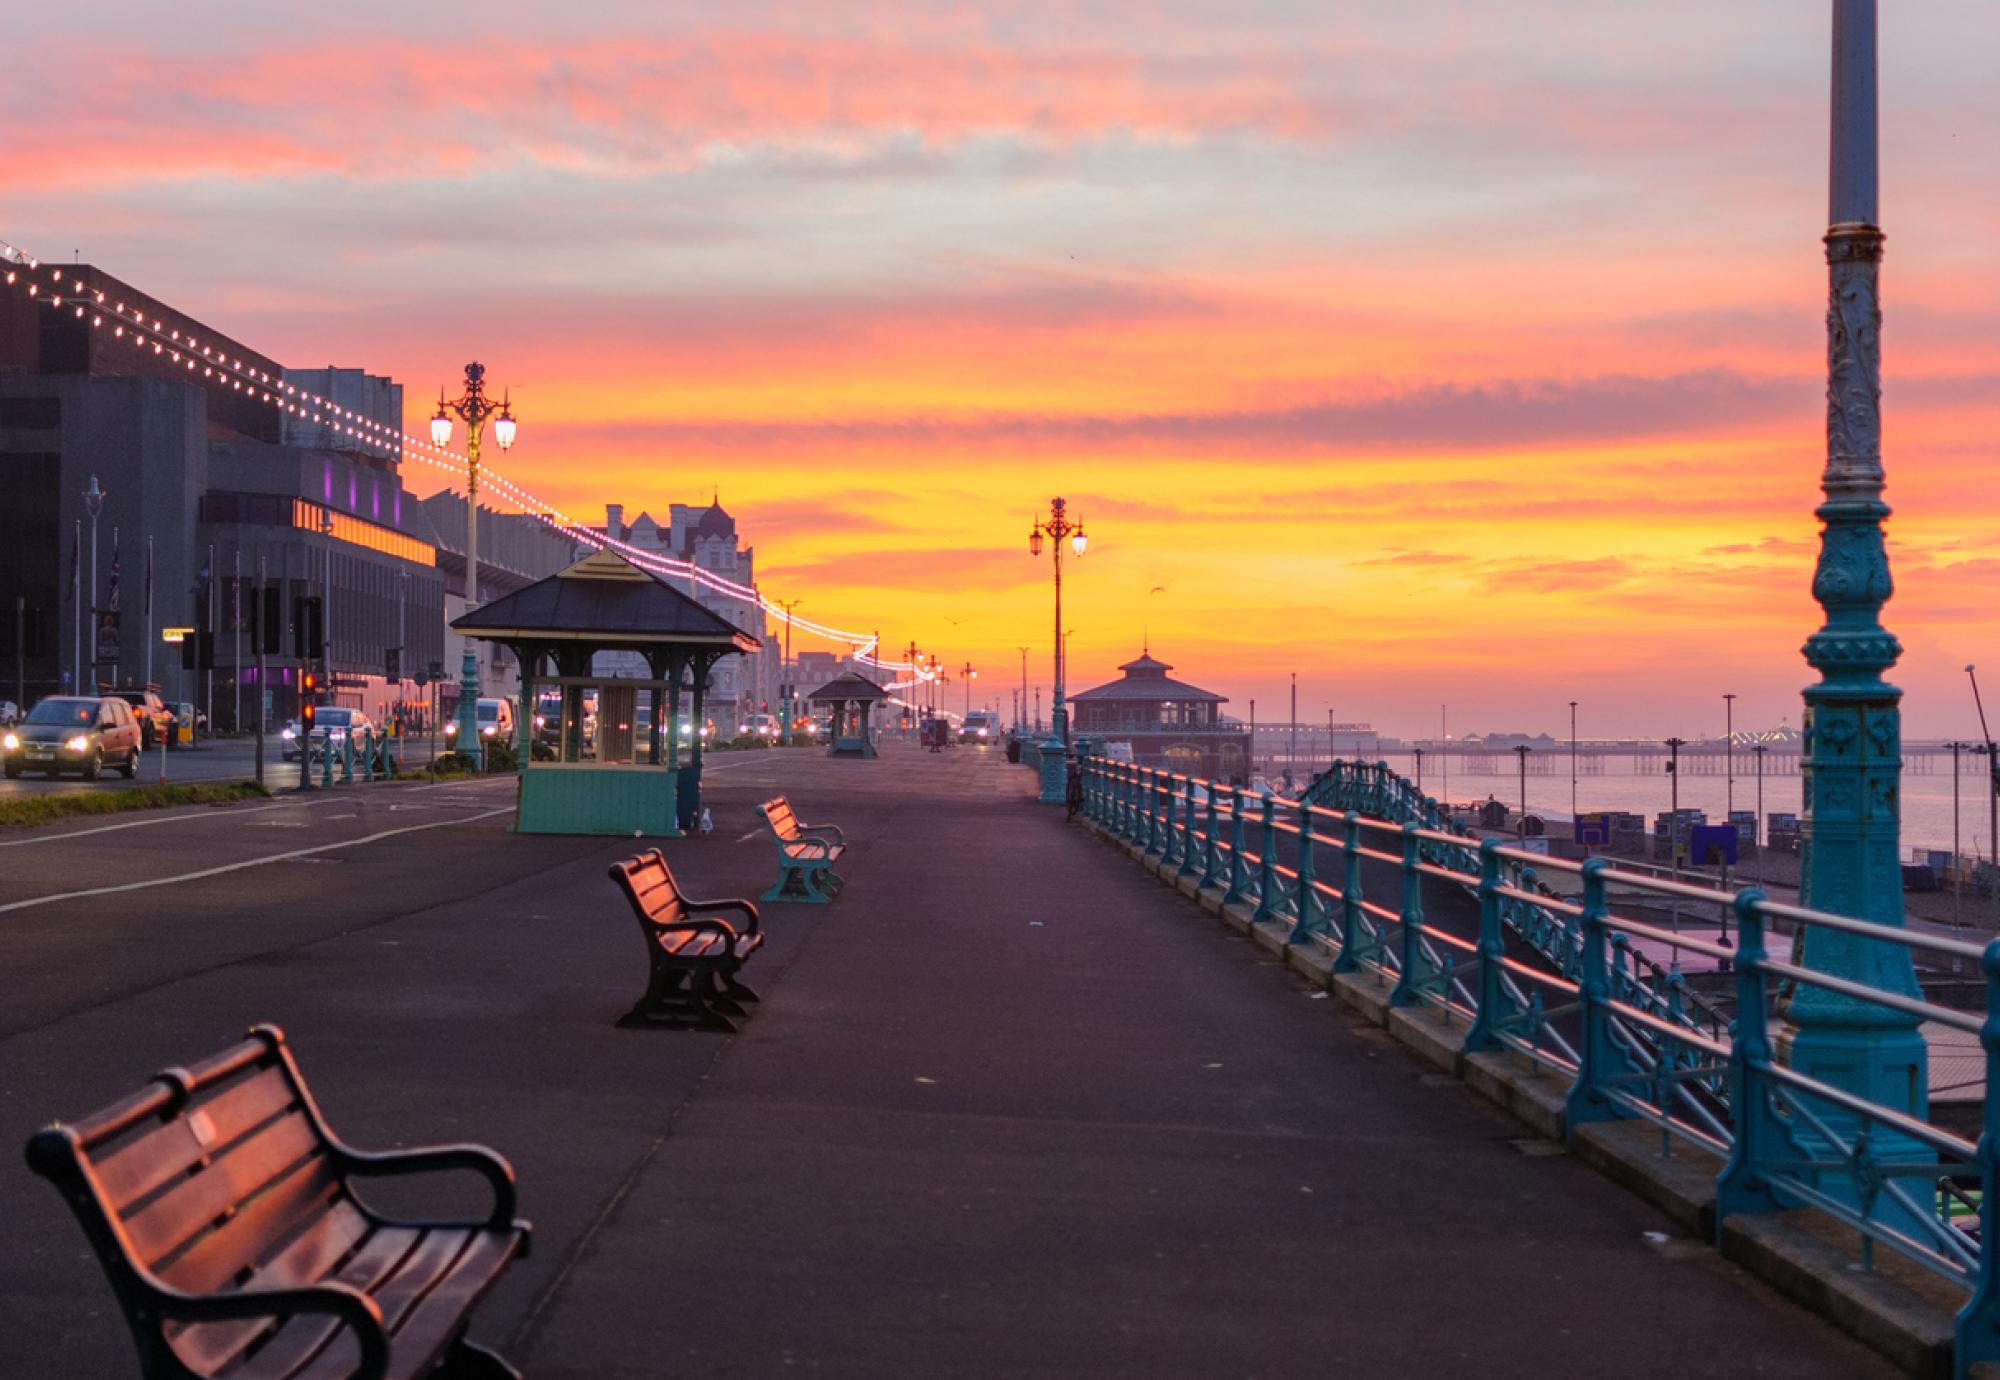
<point x="1852" y="739"/>
<point x="468" y="669"/>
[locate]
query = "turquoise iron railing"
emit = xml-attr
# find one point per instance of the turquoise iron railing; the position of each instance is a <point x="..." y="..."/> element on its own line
<point x="1626" y="1037"/>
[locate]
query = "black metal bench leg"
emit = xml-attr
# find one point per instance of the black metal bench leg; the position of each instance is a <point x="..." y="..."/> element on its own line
<point x="470" y="1361"/>
<point x="737" y="990"/>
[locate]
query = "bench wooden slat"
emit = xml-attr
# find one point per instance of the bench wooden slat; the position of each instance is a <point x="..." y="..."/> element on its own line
<point x="432" y="1291"/>
<point x="301" y="1339"/>
<point x="216" y="1259"/>
<point x="136" y="1169"/>
<point x="187" y="1208"/>
<point x="310" y="1258"/>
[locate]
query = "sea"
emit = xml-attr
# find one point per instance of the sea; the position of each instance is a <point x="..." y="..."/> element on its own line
<point x="1926" y="799"/>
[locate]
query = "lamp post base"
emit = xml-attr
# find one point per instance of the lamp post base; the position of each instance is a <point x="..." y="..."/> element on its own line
<point x="468" y="707"/>
<point x="1055" y="772"/>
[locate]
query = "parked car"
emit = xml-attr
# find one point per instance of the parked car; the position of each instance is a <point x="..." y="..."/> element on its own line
<point x="156" y="721"/>
<point x="289" y="744"/>
<point x="496" y="720"/>
<point x="80" y="733"/>
<point x="10" y="713"/>
<point x="334" y="723"/>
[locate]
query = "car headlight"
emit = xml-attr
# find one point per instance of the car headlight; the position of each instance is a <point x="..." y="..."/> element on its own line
<point x="540" y="722"/>
<point x="286" y="734"/>
<point x="451" y="729"/>
<point x="79" y="743"/>
<point x="982" y="733"/>
<point x="11" y="741"/>
<point x="487" y="731"/>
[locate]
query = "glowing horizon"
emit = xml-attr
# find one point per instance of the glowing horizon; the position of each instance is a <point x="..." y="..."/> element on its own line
<point x="1459" y="358"/>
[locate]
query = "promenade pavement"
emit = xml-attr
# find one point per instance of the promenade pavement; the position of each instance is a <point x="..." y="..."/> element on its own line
<point x="1009" y="1107"/>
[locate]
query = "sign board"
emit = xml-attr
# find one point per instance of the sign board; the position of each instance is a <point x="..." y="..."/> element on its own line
<point x="1713" y="844"/>
<point x="176" y="636"/>
<point x="1593" y="828"/>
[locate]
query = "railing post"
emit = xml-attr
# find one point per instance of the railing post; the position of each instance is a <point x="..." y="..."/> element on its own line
<point x="1122" y="808"/>
<point x="1759" y="1136"/>
<point x="1267" y="866"/>
<point x="1348" y="960"/>
<point x="1149" y="810"/>
<point x="1211" y="855"/>
<point x="1169" y="841"/>
<point x="1237" y="872"/>
<point x="1599" y="1058"/>
<point x="347" y="757"/>
<point x="1978" y="1330"/>
<point x="1483" y="1035"/>
<point x="1189" y="868"/>
<point x="1409" y="987"/>
<point x="1308" y="919"/>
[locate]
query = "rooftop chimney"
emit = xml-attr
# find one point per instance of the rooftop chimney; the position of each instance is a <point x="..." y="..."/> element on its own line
<point x="614" y="521"/>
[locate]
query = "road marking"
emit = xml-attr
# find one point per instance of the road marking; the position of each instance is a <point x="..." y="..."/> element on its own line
<point x="745" y="838"/>
<point x="210" y="813"/>
<point x="252" y="862"/>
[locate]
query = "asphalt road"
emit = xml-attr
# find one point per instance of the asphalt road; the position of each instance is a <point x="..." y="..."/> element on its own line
<point x="1009" y="1107"/>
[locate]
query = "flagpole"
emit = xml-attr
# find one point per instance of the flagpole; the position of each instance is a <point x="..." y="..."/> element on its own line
<point x="236" y="616"/>
<point x="208" y="672"/>
<point x="149" y="610"/>
<point x="117" y="579"/>
<point x="76" y="610"/>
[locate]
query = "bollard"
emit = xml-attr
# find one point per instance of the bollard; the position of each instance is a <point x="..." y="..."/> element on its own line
<point x="368" y="757"/>
<point x="1236" y="870"/>
<point x="326" y="757"/>
<point x="1211" y="855"/>
<point x="1305" y="901"/>
<point x="1189" y="868"/>
<point x="1599" y="1058"/>
<point x="1349" y="958"/>
<point x="347" y="758"/>
<point x="1409" y="987"/>
<point x="1483" y="1035"/>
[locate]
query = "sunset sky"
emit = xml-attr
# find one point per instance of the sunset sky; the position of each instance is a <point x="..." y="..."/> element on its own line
<point x="1443" y="351"/>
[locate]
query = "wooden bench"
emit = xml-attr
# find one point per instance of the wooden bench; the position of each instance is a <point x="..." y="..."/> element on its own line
<point x="805" y="857"/>
<point x="694" y="961"/>
<point x="224" y="1211"/>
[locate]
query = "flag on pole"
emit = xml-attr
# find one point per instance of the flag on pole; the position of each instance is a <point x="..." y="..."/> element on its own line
<point x="112" y="607"/>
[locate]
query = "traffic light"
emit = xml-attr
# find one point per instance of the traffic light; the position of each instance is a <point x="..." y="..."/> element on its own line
<point x="394" y="669"/>
<point x="308" y="629"/>
<point x="308" y="685"/>
<point x="267" y="625"/>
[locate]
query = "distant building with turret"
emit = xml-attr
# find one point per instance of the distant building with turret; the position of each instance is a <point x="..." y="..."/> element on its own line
<point x="1169" y="723"/>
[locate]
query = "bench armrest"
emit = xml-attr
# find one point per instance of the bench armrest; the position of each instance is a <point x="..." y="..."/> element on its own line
<point x="354" y="1309"/>
<point x="390" y="1164"/>
<point x="749" y="910"/>
<point x="840" y="839"/>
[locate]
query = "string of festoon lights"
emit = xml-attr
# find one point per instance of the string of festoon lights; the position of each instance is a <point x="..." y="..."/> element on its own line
<point x="60" y="291"/>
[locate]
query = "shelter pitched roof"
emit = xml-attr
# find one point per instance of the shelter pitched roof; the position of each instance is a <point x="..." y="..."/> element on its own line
<point x="847" y="686"/>
<point x="1146" y="680"/>
<point x="603" y="598"/>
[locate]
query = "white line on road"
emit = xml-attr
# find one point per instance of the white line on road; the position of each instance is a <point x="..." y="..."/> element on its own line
<point x="252" y="862"/>
<point x="212" y="813"/>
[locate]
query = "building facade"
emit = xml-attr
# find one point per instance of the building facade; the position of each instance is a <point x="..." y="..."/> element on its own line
<point x="1169" y="723"/>
<point x="706" y="537"/>
<point x="209" y="493"/>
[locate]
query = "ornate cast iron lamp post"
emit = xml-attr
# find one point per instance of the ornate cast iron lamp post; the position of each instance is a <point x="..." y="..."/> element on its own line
<point x="473" y="408"/>
<point x="1057" y="528"/>
<point x="1852" y="739"/>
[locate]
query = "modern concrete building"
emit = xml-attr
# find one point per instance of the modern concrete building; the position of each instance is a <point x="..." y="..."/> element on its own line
<point x="205" y="481"/>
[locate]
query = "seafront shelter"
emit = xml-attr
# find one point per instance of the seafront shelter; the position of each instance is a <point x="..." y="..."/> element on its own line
<point x="599" y="765"/>
<point x="851" y="698"/>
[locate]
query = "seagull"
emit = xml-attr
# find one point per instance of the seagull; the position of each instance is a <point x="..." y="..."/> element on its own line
<point x="1157" y="589"/>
